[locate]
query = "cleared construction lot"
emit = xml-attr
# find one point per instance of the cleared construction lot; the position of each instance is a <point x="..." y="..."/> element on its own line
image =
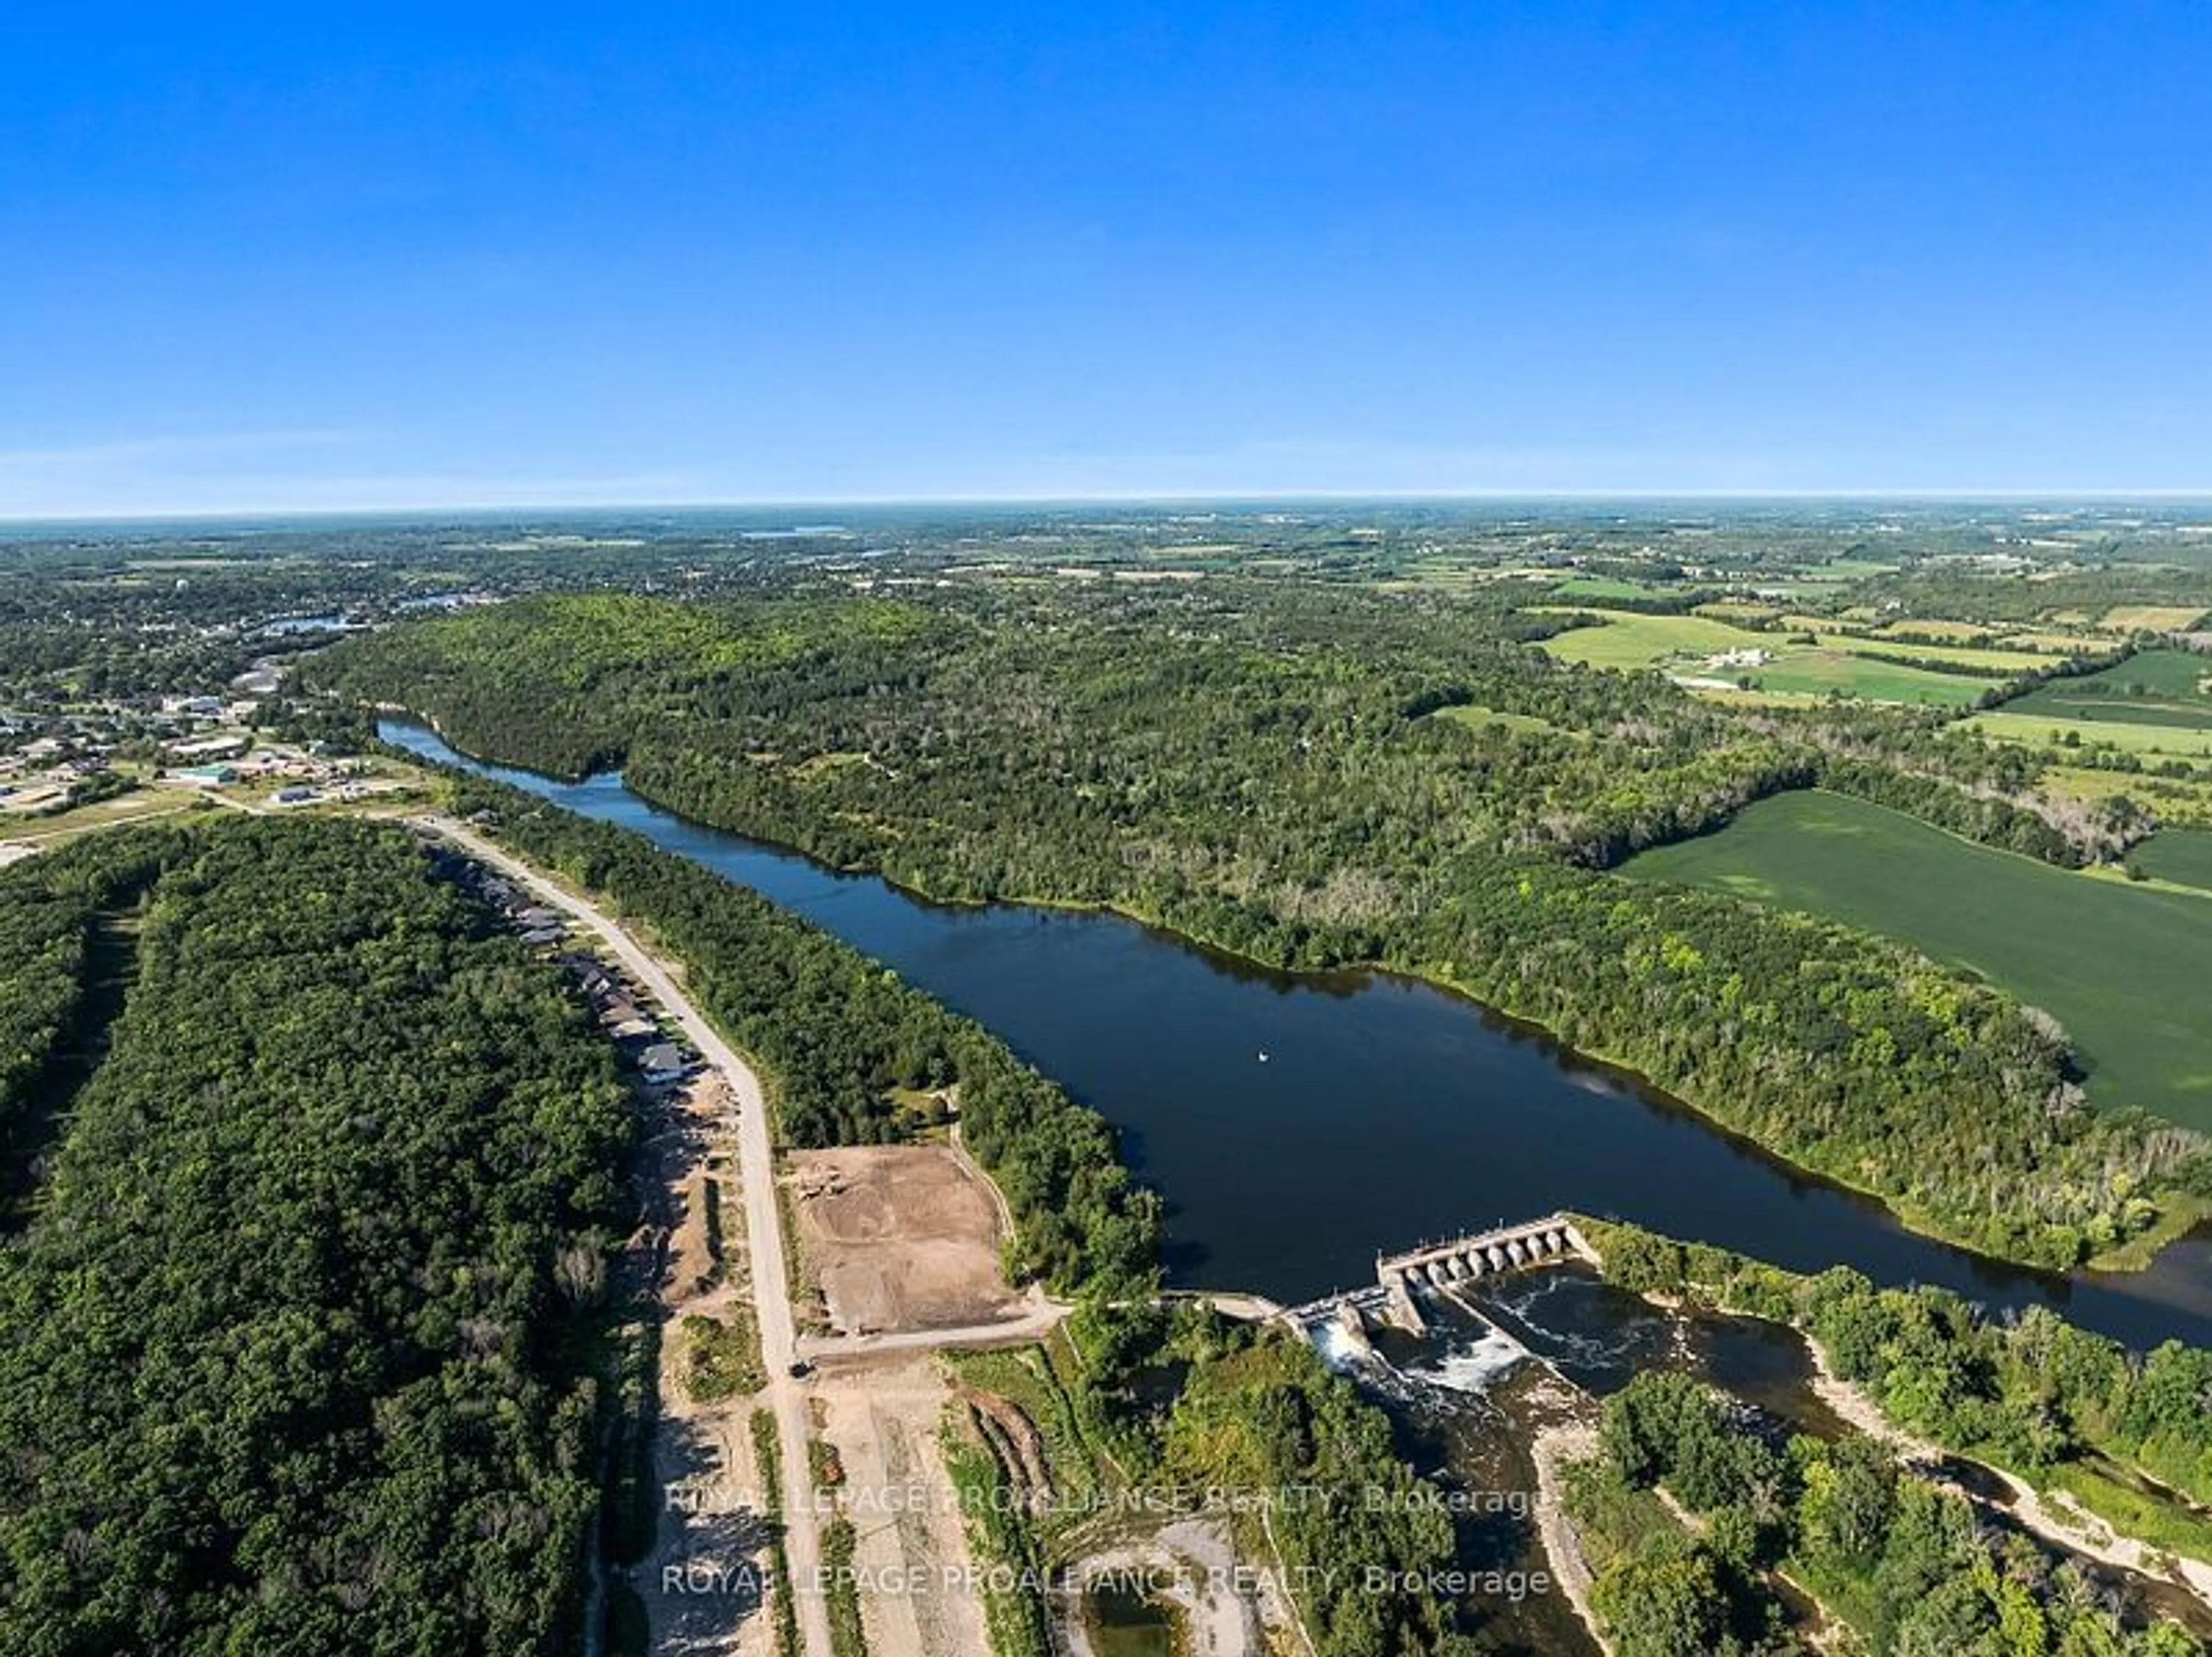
<point x="899" y="1238"/>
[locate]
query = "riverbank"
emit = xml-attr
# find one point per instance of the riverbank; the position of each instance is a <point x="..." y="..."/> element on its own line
<point x="1506" y="1122"/>
<point x="1552" y="1450"/>
<point x="1839" y="1175"/>
<point x="2033" y="1380"/>
<point x="2040" y="1514"/>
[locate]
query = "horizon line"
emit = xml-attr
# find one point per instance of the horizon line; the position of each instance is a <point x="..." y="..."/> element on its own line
<point x="766" y="503"/>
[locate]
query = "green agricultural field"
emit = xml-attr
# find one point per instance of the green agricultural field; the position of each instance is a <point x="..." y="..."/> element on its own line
<point x="1606" y="587"/>
<point x="1816" y="671"/>
<point x="1737" y="610"/>
<point x="1682" y="644"/>
<point x="2064" y="644"/>
<point x="2041" y="730"/>
<point x="2181" y="855"/>
<point x="2172" y="688"/>
<point x="2127" y="971"/>
<point x="1630" y="642"/>
<point x="1956" y="632"/>
<point x="1986" y="660"/>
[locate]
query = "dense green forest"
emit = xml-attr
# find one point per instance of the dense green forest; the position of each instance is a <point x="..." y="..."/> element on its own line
<point x="2034" y="1394"/>
<point x="1268" y="767"/>
<point x="838" y="1033"/>
<point x="284" y="1365"/>
<point x="47" y="910"/>
<point x="1905" y="1566"/>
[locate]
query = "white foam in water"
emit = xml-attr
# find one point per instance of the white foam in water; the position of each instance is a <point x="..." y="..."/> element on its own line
<point x="1337" y="1348"/>
<point x="1472" y="1368"/>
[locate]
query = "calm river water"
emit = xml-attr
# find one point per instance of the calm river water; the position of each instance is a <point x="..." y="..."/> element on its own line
<point x="1298" y="1125"/>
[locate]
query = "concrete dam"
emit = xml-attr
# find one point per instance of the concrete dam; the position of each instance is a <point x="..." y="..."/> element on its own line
<point x="1438" y="1267"/>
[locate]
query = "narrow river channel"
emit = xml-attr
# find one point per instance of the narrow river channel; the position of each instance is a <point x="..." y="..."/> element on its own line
<point x="1297" y="1125"/>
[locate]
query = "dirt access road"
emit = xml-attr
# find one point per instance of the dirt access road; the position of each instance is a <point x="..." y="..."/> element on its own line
<point x="802" y="1538"/>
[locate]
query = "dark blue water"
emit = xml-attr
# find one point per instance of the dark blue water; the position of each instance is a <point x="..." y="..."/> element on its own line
<point x="1384" y="1111"/>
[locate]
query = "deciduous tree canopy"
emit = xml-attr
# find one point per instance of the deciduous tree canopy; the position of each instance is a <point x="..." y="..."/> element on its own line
<point x="1271" y="768"/>
<point x="281" y="1355"/>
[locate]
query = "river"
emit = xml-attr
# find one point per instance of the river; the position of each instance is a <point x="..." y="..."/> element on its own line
<point x="1296" y="1125"/>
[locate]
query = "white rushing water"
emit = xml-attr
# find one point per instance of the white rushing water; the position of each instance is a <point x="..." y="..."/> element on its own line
<point x="1472" y="1368"/>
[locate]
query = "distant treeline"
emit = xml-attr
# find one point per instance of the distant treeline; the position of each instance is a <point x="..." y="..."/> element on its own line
<point x="284" y="1351"/>
<point x="2023" y="599"/>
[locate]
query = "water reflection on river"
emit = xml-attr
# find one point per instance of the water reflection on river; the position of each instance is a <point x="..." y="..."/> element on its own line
<point x="1295" y="1126"/>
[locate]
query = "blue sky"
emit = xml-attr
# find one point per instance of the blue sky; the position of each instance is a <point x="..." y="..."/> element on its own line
<point x="727" y="250"/>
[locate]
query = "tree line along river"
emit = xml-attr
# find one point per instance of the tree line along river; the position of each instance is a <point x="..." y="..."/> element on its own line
<point x="1296" y="1125"/>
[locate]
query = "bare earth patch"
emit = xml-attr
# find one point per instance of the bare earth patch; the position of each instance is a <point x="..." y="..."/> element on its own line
<point x="1228" y="1606"/>
<point x="919" y="1599"/>
<point x="900" y="1237"/>
<point x="700" y="1583"/>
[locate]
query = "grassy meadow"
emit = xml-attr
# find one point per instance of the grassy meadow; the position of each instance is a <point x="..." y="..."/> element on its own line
<point x="1479" y="718"/>
<point x="2041" y="729"/>
<point x="1837" y="662"/>
<point x="2153" y="618"/>
<point x="2127" y="970"/>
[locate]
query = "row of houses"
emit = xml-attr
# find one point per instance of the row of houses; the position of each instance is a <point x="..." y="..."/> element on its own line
<point x="630" y="1020"/>
<point x="626" y="1011"/>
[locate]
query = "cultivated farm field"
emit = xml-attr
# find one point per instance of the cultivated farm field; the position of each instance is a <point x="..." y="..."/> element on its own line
<point x="2157" y="687"/>
<point x="2154" y="618"/>
<point x="2182" y="856"/>
<point x="2127" y="971"/>
<point x="1682" y="645"/>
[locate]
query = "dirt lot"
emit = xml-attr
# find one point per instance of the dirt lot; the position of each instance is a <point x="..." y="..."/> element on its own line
<point x="698" y="1584"/>
<point x="884" y="1421"/>
<point x="900" y="1237"/>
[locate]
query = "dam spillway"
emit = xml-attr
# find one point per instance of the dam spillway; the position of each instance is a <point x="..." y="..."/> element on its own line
<point x="1440" y="1267"/>
<point x="1485" y="1254"/>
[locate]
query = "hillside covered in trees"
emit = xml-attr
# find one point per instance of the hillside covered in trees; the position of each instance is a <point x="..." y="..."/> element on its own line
<point x="282" y="1351"/>
<point x="1317" y="777"/>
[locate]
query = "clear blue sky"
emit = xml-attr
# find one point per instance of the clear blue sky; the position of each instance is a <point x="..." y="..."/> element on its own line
<point x="330" y="255"/>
